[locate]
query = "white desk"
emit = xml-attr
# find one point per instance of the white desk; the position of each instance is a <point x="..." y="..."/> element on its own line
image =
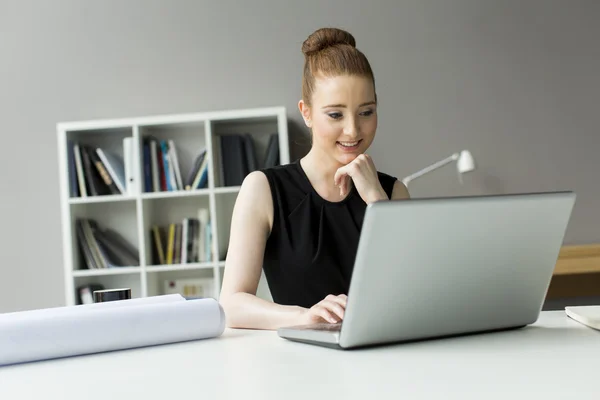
<point x="556" y="358"/>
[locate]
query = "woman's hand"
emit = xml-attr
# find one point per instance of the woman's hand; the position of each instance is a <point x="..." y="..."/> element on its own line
<point x="330" y="309"/>
<point x="363" y="173"/>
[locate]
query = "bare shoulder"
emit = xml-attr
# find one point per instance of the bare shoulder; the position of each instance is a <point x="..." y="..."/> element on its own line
<point x="256" y="184"/>
<point x="400" y="191"/>
<point x="255" y="196"/>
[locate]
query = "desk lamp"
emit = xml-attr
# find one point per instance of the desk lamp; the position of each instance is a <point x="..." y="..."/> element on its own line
<point x="464" y="163"/>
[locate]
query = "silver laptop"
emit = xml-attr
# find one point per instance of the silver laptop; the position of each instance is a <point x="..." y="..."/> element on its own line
<point x="441" y="267"/>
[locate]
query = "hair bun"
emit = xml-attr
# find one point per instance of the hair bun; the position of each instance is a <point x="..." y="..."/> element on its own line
<point x="326" y="37"/>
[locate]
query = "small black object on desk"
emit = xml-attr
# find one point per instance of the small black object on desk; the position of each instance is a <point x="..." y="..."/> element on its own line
<point x="101" y="296"/>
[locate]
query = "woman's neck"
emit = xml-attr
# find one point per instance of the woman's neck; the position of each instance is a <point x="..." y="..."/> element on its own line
<point x="320" y="170"/>
<point x="320" y="167"/>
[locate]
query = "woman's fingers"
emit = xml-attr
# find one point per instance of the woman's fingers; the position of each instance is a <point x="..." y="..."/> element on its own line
<point x="342" y="182"/>
<point x="335" y="307"/>
<point x="331" y="308"/>
<point x="339" y="174"/>
<point x="361" y="171"/>
<point x="342" y="178"/>
<point x="324" y="313"/>
<point x="341" y="299"/>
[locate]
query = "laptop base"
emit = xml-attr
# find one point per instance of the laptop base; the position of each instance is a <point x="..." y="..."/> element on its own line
<point x="332" y="341"/>
<point x="329" y="345"/>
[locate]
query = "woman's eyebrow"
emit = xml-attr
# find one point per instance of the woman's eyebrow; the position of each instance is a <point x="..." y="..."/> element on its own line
<point x="368" y="103"/>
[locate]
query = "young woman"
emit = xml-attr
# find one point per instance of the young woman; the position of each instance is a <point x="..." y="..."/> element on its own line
<point x="301" y="222"/>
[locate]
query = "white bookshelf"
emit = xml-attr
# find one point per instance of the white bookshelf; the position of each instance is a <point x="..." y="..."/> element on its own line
<point x="134" y="213"/>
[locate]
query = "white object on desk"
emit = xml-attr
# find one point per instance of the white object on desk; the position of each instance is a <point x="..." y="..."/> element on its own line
<point x="551" y="359"/>
<point x="586" y="315"/>
<point x="76" y="330"/>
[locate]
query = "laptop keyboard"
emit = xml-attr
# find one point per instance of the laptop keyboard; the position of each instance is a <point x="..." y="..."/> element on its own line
<point x="323" y="326"/>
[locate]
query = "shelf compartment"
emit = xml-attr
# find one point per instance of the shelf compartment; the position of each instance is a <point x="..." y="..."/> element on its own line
<point x="168" y="155"/>
<point x="116" y="239"/>
<point x="240" y="146"/>
<point x="131" y="281"/>
<point x="164" y="218"/>
<point x="166" y="282"/>
<point x="97" y="160"/>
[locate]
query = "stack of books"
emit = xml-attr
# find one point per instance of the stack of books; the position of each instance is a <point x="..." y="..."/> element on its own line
<point x="103" y="248"/>
<point x="94" y="171"/>
<point x="189" y="241"/>
<point x="162" y="172"/>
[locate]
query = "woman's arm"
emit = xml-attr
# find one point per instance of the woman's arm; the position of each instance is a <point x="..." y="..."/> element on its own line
<point x="250" y="227"/>
<point x="400" y="191"/>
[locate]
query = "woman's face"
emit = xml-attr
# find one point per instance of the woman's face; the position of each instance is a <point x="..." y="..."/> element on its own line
<point x="342" y="116"/>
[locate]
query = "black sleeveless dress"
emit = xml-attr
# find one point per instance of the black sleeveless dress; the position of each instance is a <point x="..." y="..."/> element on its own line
<point x="311" y="249"/>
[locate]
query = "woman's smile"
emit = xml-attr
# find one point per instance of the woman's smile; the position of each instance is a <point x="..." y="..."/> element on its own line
<point x="349" y="146"/>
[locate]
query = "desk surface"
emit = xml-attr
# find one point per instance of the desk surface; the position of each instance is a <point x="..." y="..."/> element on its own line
<point x="555" y="358"/>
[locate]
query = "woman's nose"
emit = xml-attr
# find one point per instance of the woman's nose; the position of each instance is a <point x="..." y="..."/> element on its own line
<point x="351" y="128"/>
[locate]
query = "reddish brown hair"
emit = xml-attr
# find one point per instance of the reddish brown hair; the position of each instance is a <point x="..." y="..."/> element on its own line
<point x="331" y="52"/>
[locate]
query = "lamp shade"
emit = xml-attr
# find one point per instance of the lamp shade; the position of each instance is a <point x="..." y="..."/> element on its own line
<point x="465" y="162"/>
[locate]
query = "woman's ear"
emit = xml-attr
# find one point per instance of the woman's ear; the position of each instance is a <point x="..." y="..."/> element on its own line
<point x="305" y="111"/>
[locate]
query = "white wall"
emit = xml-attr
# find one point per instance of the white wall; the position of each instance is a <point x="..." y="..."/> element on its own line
<point x="514" y="81"/>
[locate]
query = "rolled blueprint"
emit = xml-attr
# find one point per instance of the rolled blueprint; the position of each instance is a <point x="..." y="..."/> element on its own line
<point x="93" y="328"/>
<point x="51" y="312"/>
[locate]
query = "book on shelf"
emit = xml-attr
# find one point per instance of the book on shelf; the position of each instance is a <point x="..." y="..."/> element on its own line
<point x="162" y="171"/>
<point x="103" y="248"/>
<point x="238" y="157"/>
<point x="95" y="171"/>
<point x="185" y="242"/>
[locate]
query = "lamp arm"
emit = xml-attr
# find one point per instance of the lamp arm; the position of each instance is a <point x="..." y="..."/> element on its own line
<point x="430" y="168"/>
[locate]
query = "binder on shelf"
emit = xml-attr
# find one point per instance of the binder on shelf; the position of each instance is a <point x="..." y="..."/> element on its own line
<point x="233" y="159"/>
<point x="78" y="167"/>
<point x="129" y="166"/>
<point x="238" y="157"/>
<point x="272" y="153"/>
<point x="72" y="148"/>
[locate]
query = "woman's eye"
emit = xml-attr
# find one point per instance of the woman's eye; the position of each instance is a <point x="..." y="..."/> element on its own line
<point x="367" y="113"/>
<point x="335" y="115"/>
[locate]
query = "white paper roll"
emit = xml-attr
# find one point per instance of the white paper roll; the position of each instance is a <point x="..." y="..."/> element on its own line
<point x="51" y="312"/>
<point x="77" y="330"/>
